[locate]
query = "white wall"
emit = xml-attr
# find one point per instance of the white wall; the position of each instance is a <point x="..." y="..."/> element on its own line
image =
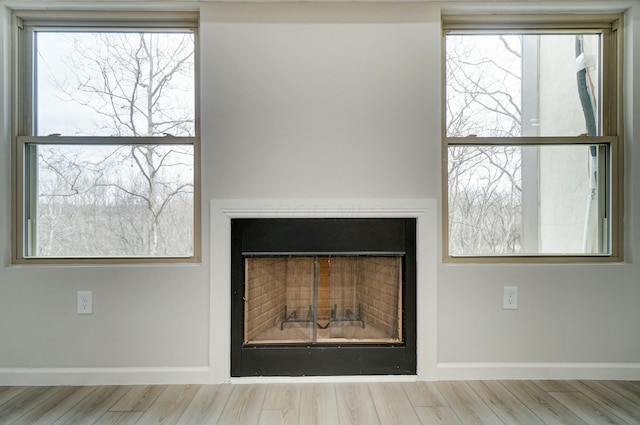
<point x="144" y="316"/>
<point x="316" y="101"/>
<point x="578" y="315"/>
<point x="320" y="101"/>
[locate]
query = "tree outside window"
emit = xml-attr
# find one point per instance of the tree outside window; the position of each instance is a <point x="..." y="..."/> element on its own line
<point x="110" y="148"/>
<point x="528" y="160"/>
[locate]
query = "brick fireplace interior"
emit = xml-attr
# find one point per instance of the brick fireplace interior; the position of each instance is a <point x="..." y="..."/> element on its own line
<point x="323" y="297"/>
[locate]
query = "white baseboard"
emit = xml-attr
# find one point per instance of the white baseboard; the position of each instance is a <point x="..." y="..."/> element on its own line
<point x="104" y="376"/>
<point x="322" y="379"/>
<point x="201" y="375"/>
<point x="535" y="371"/>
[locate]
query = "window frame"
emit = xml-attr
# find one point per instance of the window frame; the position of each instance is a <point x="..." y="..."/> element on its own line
<point x="24" y="88"/>
<point x="611" y="28"/>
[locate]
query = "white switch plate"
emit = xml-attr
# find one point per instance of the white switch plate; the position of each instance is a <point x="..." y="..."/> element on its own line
<point x="510" y="298"/>
<point x="85" y="302"/>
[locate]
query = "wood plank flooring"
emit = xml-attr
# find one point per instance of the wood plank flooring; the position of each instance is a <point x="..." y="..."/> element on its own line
<point x="389" y="403"/>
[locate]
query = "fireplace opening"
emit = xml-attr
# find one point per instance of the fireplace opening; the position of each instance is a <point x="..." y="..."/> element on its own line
<point x="323" y="297"/>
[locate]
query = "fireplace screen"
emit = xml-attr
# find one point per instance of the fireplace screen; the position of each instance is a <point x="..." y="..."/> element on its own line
<point x="323" y="299"/>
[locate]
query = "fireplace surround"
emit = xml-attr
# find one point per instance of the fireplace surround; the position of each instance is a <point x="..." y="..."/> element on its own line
<point x="323" y="296"/>
<point x="224" y="210"/>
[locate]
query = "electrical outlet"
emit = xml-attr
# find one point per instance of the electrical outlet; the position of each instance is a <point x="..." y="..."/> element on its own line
<point x="510" y="297"/>
<point x="85" y="302"/>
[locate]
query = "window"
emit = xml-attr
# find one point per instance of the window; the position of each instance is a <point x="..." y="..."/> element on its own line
<point x="107" y="140"/>
<point x="532" y="138"/>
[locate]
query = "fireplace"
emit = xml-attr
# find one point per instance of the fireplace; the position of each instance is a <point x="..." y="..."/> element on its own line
<point x="322" y="299"/>
<point x="330" y="296"/>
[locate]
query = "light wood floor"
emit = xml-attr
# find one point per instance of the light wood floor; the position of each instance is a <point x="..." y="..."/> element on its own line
<point x="459" y="402"/>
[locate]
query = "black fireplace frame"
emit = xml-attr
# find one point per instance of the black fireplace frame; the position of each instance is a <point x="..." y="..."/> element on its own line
<point x="323" y="236"/>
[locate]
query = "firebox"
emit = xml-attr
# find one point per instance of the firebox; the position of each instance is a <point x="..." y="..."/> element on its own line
<point x="330" y="296"/>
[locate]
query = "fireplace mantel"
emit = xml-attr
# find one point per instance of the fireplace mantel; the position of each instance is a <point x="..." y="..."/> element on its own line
<point x="223" y="210"/>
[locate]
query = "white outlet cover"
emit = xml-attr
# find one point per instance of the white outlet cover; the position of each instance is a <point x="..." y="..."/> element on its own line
<point x="85" y="302"/>
<point x="510" y="298"/>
